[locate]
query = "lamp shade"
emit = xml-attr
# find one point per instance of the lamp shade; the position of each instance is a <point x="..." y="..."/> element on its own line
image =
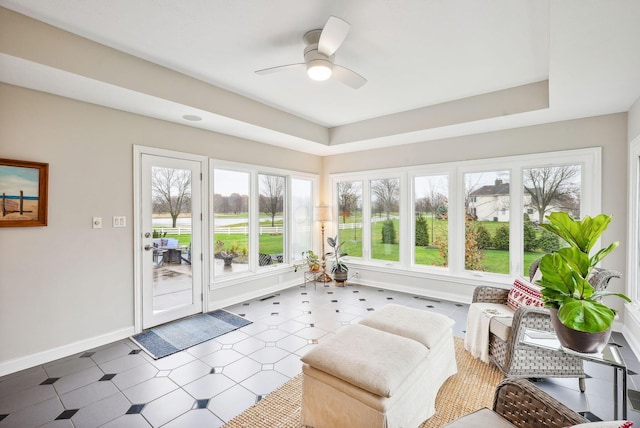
<point x="322" y="213"/>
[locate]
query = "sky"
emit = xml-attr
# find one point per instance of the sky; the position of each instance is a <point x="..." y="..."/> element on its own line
<point x="226" y="182"/>
<point x="14" y="179"/>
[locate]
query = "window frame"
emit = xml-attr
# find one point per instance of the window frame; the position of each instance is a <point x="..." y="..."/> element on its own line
<point x="254" y="171"/>
<point x="590" y="202"/>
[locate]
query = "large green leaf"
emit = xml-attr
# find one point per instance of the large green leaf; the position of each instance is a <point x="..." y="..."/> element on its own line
<point x="586" y="315"/>
<point x="580" y="234"/>
<point x="556" y="274"/>
<point x="576" y="259"/>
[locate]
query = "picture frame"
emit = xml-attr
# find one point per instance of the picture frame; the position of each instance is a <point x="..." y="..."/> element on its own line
<point x="23" y="193"/>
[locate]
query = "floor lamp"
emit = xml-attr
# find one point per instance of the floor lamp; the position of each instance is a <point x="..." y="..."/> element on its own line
<point x="322" y="214"/>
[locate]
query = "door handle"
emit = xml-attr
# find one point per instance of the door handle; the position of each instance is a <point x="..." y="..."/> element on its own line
<point x="148" y="247"/>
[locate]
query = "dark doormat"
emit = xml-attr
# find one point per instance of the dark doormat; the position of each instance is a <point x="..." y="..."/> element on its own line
<point x="179" y="335"/>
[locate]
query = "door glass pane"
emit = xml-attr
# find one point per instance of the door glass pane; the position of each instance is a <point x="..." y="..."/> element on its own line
<point x="271" y="239"/>
<point x="385" y="219"/>
<point x="547" y="190"/>
<point x="171" y="220"/>
<point x="230" y="222"/>
<point x="301" y="226"/>
<point x="350" y="217"/>
<point x="487" y="221"/>
<point x="431" y="233"/>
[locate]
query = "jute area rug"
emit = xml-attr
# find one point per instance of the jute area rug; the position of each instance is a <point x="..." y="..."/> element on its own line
<point x="471" y="389"/>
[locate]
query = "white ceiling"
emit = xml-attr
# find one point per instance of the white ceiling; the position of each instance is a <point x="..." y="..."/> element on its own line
<point x="414" y="54"/>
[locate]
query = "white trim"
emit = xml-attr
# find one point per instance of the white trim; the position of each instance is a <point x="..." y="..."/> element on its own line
<point x="138" y="152"/>
<point x="17" y="364"/>
<point x="254" y="271"/>
<point x="633" y="221"/>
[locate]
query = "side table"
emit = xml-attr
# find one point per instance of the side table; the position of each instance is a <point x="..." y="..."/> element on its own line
<point x="609" y="356"/>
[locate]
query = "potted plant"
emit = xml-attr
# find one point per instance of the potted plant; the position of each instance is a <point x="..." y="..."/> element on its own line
<point x="339" y="269"/>
<point x="226" y="255"/>
<point x="311" y="259"/>
<point x="582" y="322"/>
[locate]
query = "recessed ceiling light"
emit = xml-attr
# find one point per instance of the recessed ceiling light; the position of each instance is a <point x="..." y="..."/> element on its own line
<point x="191" y="117"/>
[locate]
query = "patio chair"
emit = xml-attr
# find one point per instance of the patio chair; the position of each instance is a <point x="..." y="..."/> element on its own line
<point x="505" y="334"/>
<point x="265" y="259"/>
<point x="186" y="255"/>
<point x="519" y="403"/>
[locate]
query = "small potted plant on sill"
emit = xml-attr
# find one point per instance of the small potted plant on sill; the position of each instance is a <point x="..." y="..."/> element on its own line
<point x="226" y="255"/>
<point x="580" y="319"/>
<point x="339" y="269"/>
<point x="310" y="259"/>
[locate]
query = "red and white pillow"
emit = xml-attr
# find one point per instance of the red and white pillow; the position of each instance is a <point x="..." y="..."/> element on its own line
<point x="524" y="293"/>
<point x="606" y="424"/>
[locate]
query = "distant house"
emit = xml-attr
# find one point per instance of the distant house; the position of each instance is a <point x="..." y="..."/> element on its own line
<point x="491" y="203"/>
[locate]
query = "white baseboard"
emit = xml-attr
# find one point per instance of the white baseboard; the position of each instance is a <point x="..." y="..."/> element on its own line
<point x="418" y="291"/>
<point x="223" y="303"/>
<point x="17" y="364"/>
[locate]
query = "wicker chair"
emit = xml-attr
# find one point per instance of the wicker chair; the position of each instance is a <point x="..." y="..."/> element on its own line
<point x="519" y="403"/>
<point x="517" y="360"/>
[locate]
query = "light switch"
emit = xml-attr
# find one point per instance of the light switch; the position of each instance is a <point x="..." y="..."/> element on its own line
<point x="119" y="221"/>
<point x="97" y="222"/>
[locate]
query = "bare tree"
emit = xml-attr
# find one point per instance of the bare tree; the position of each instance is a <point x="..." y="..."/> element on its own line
<point x="387" y="194"/>
<point x="171" y="191"/>
<point x="435" y="198"/>
<point x="348" y="196"/>
<point x="271" y="195"/>
<point x="551" y="186"/>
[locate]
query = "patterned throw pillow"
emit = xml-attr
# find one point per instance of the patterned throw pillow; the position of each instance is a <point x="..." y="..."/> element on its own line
<point x="524" y="293"/>
<point x="606" y="424"/>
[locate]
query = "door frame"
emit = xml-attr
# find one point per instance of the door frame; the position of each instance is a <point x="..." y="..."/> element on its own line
<point x="138" y="239"/>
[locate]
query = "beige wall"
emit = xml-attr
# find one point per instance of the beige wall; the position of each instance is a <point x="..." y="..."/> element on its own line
<point x="67" y="283"/>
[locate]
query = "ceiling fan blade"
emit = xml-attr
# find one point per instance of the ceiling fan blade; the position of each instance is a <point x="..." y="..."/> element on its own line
<point x="332" y="36"/>
<point x="348" y="77"/>
<point x="279" y="68"/>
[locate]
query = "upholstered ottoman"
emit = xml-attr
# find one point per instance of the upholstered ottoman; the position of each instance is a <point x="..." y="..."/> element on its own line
<point x="384" y="372"/>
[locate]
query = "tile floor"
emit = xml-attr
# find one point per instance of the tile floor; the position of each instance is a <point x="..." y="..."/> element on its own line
<point x="117" y="385"/>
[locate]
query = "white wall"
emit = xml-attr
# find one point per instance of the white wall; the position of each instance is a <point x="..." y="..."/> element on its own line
<point x="68" y="285"/>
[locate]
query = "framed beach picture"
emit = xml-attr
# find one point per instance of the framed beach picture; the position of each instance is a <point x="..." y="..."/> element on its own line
<point x="23" y="193"/>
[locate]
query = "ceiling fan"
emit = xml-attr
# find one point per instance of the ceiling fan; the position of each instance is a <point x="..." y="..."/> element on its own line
<point x="319" y="55"/>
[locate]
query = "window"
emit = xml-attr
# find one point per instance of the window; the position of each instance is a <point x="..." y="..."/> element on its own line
<point x="431" y="230"/>
<point x="271" y="240"/>
<point x="547" y="189"/>
<point x="349" y="197"/>
<point x="261" y="220"/>
<point x="301" y="226"/>
<point x="385" y="219"/>
<point x="230" y="221"/>
<point x="486" y="221"/>
<point x="470" y="218"/>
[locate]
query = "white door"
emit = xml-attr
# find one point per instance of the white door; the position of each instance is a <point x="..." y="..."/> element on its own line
<point x="170" y="228"/>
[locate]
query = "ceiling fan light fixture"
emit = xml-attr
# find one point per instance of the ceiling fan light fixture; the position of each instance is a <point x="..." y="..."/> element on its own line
<point x="319" y="69"/>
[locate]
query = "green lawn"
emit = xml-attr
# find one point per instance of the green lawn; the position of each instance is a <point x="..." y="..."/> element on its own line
<point x="496" y="261"/>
